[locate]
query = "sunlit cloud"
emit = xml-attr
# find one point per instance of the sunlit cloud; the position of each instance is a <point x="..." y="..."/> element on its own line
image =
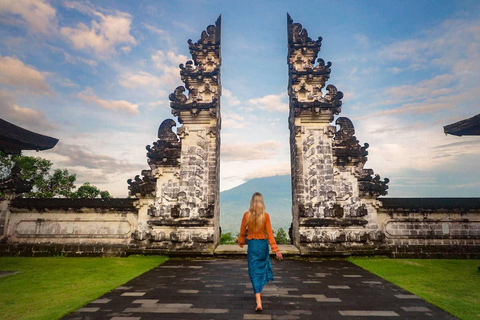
<point x="105" y="33"/>
<point x="114" y="105"/>
<point x="14" y="73"/>
<point x="37" y="15"/>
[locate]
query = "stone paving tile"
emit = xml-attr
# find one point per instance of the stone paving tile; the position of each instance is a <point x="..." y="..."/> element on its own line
<point x="221" y="289"/>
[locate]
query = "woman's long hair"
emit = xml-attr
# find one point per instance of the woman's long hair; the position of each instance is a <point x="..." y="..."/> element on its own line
<point x="256" y="217"/>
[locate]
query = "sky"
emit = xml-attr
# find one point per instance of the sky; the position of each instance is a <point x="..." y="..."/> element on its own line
<point x="97" y="75"/>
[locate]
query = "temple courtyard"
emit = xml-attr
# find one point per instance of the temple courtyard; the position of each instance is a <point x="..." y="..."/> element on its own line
<point x="221" y="289"/>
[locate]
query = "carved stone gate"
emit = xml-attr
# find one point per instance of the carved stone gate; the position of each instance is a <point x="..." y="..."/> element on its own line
<point x="334" y="199"/>
<point x="178" y="198"/>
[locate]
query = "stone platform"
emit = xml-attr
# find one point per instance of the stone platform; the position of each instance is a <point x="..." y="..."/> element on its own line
<point x="221" y="289"/>
<point x="235" y="250"/>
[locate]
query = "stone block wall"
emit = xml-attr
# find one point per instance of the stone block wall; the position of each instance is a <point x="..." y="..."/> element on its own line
<point x="431" y="227"/>
<point x="71" y="227"/>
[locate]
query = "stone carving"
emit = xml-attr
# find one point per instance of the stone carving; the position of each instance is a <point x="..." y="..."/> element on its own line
<point x="201" y="76"/>
<point x="330" y="188"/>
<point x="166" y="150"/>
<point x="371" y="186"/>
<point x="180" y="208"/>
<point x="144" y="186"/>
<point x="307" y="78"/>
<point x="347" y="149"/>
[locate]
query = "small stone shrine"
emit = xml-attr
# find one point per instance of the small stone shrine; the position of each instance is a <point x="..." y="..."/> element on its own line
<point x="178" y="198"/>
<point x="334" y="201"/>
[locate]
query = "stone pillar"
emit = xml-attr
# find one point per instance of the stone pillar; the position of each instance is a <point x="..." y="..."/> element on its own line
<point x="183" y="179"/>
<point x="334" y="207"/>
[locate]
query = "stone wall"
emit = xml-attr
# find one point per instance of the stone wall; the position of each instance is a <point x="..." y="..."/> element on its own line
<point x="83" y="227"/>
<point x="410" y="228"/>
<point x="431" y="227"/>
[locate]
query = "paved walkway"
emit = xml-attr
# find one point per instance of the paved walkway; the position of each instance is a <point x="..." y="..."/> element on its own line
<point x="220" y="289"/>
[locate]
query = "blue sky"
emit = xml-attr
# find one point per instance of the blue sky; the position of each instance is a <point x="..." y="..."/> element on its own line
<point x="97" y="74"/>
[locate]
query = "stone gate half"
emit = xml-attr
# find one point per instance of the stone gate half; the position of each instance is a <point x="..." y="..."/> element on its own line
<point x="178" y="198"/>
<point x="334" y="199"/>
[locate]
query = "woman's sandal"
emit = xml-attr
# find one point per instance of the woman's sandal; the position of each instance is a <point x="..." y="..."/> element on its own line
<point x="257" y="309"/>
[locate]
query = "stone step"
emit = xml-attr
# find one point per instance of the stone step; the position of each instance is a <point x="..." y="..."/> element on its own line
<point x="233" y="249"/>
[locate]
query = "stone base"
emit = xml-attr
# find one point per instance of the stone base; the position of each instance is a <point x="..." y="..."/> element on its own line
<point x="172" y="248"/>
<point x="68" y="250"/>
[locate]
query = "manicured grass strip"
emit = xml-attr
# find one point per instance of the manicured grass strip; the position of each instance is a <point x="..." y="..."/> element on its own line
<point x="453" y="285"/>
<point x="49" y="288"/>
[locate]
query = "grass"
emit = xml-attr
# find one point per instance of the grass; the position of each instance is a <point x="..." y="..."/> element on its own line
<point x="49" y="288"/>
<point x="453" y="285"/>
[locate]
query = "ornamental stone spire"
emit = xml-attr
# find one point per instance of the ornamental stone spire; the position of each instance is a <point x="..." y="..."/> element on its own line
<point x="334" y="203"/>
<point x="178" y="198"/>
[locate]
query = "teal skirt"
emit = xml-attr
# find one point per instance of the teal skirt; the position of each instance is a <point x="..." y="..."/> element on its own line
<point x="259" y="264"/>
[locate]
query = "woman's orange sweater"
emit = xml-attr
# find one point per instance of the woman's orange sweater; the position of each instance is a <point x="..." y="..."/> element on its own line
<point x="259" y="234"/>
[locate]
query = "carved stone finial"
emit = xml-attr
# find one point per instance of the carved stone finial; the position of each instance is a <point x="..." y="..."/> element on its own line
<point x="308" y="75"/>
<point x="201" y="75"/>
<point x="165" y="151"/>
<point x="346" y="147"/>
<point x="298" y="36"/>
<point x="145" y="186"/>
<point x="371" y="186"/>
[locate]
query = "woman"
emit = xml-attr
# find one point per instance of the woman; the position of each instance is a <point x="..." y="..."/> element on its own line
<point x="257" y="222"/>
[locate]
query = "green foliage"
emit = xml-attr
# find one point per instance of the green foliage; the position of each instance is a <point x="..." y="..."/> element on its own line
<point x="90" y="191"/>
<point x="449" y="284"/>
<point x="48" y="183"/>
<point x="227" y="238"/>
<point x="50" y="288"/>
<point x="281" y="236"/>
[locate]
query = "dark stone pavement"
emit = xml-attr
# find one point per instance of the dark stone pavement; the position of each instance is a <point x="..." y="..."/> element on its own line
<point x="221" y="289"/>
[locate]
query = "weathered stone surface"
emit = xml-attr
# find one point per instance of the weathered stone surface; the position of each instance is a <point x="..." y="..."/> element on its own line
<point x="179" y="195"/>
<point x="334" y="198"/>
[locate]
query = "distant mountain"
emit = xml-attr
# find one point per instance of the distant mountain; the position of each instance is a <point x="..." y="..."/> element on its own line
<point x="276" y="192"/>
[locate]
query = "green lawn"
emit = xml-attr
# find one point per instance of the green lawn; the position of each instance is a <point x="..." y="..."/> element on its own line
<point x="49" y="288"/>
<point x="453" y="285"/>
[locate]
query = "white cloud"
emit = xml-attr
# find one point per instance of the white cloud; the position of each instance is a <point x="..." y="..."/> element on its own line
<point x="38" y="15"/>
<point x="250" y="151"/>
<point x="429" y="88"/>
<point x="228" y="99"/>
<point x="154" y="29"/>
<point x="72" y="59"/>
<point x="169" y="78"/>
<point x="162" y="34"/>
<point x="453" y="41"/>
<point x="115" y="105"/>
<point x="79" y="156"/>
<point x="277" y="169"/>
<point x="15" y="73"/>
<point x="233" y="120"/>
<point x="161" y="59"/>
<point x="361" y="39"/>
<point x="28" y="118"/>
<point x="271" y="102"/>
<point x="105" y="33"/>
<point x="141" y="79"/>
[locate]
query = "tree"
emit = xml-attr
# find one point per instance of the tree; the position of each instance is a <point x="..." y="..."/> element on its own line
<point x="90" y="191"/>
<point x="227" y="238"/>
<point x="281" y="236"/>
<point x="47" y="183"/>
